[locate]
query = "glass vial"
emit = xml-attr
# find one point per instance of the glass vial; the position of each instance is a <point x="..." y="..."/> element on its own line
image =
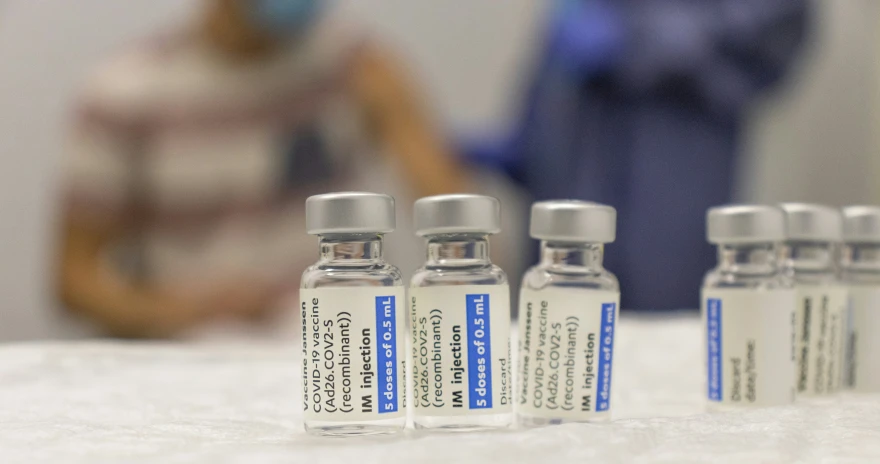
<point x="860" y="265"/>
<point x="460" y="319"/>
<point x="568" y="316"/>
<point x="812" y="233"/>
<point x="353" y="322"/>
<point x="748" y="310"/>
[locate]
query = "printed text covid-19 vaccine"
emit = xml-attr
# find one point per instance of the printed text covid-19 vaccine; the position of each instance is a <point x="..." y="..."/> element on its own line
<point x="353" y="320"/>
<point x="568" y="317"/>
<point x="812" y="233"/>
<point x="460" y="319"/>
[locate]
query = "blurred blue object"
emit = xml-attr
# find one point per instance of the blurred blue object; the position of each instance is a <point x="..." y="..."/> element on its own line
<point x="282" y="17"/>
<point x="640" y="104"/>
<point x="587" y="36"/>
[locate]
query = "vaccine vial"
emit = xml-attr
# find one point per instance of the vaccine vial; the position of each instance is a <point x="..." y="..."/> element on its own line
<point x="748" y="310"/>
<point x="860" y="266"/>
<point x="568" y="316"/>
<point x="460" y="319"/>
<point x="812" y="234"/>
<point x="353" y="324"/>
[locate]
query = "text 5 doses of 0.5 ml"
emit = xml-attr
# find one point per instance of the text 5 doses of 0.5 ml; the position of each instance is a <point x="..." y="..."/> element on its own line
<point x="748" y="310"/>
<point x="460" y="318"/>
<point x="568" y="317"/>
<point x="353" y="323"/>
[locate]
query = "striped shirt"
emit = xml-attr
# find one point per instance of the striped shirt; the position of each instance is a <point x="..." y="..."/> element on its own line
<point x="209" y="161"/>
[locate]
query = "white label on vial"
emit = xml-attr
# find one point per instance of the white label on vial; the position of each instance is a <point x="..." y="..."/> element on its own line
<point x="750" y="346"/>
<point x="566" y="352"/>
<point x="864" y="338"/>
<point x="461" y="350"/>
<point x="819" y="322"/>
<point x="353" y="353"/>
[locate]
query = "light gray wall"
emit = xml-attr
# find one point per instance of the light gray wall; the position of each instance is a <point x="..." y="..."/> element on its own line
<point x="467" y="53"/>
<point x="816" y="142"/>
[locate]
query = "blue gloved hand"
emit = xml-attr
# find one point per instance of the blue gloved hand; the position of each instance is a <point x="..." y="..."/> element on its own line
<point x="496" y="151"/>
<point x="587" y="36"/>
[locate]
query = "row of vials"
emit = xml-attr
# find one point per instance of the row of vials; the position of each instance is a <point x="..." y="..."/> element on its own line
<point x="793" y="307"/>
<point x="357" y="316"/>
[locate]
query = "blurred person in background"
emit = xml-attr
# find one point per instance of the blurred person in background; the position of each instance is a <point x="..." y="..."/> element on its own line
<point x="192" y="156"/>
<point x="641" y="105"/>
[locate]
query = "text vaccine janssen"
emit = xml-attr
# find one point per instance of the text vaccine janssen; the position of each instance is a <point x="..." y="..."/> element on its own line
<point x="568" y="317"/>
<point x="460" y="319"/>
<point x="353" y="318"/>
<point x="812" y="233"/>
<point x="861" y="273"/>
<point x="748" y="310"/>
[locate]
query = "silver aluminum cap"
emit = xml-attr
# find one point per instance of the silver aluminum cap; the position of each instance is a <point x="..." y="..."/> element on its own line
<point x="805" y="221"/>
<point x="456" y="214"/>
<point x="745" y="224"/>
<point x="573" y="221"/>
<point x="861" y="224"/>
<point x="350" y="213"/>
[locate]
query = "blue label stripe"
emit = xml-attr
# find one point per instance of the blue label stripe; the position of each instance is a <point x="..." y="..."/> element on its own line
<point x="479" y="352"/>
<point x="386" y="349"/>
<point x="713" y="329"/>
<point x="606" y="355"/>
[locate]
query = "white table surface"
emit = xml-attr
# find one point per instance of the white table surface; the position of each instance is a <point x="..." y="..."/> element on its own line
<point x="94" y="402"/>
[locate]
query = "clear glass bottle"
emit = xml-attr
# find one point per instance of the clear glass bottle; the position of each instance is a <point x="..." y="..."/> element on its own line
<point x="354" y="326"/>
<point x="748" y="310"/>
<point x="460" y="319"/>
<point x="812" y="232"/>
<point x="860" y="272"/>
<point x="568" y="295"/>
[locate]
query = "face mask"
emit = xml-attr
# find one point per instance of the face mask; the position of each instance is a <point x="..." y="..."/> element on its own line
<point x="282" y="17"/>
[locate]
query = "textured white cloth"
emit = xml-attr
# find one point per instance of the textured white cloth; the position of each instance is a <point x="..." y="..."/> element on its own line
<point x="236" y="402"/>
